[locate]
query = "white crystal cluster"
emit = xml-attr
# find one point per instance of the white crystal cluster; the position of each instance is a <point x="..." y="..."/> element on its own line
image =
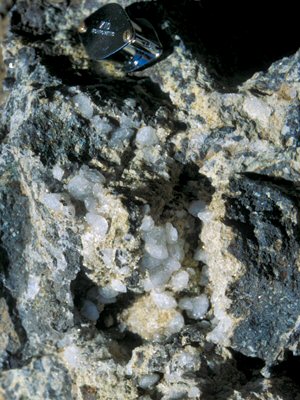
<point x="164" y="252"/>
<point x="148" y="381"/>
<point x="104" y="213"/>
<point x="98" y="297"/>
<point x="84" y="105"/>
<point x="101" y="218"/>
<point x="179" y="380"/>
<point x="148" y="145"/>
<point x="59" y="204"/>
<point x="183" y="361"/>
<point x="165" y="277"/>
<point x="199" y="210"/>
<point x="87" y="186"/>
<point x="195" y="307"/>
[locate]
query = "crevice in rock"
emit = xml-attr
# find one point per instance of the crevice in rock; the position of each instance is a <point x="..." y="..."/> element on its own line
<point x="186" y="185"/>
<point x="241" y="375"/>
<point x="79" y="287"/>
<point x="122" y="345"/>
<point x="4" y="262"/>
<point x="109" y="320"/>
<point x="233" y="39"/>
<point x="249" y="366"/>
<point x="121" y="342"/>
<point x="218" y="383"/>
<point x="189" y="185"/>
<point x="166" y="196"/>
<point x="3" y="133"/>
<point x="288" y="368"/>
<point x="14" y="360"/>
<point x="153" y="393"/>
<point x="288" y="187"/>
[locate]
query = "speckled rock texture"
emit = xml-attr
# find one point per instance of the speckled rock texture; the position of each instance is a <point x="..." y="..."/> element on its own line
<point x="78" y="319"/>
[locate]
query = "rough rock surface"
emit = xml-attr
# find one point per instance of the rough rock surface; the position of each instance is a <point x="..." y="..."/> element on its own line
<point x="149" y="224"/>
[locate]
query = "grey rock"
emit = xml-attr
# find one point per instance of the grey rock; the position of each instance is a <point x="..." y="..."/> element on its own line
<point x="232" y="143"/>
<point x="43" y="378"/>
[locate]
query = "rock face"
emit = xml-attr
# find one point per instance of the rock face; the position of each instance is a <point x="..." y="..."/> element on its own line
<point x="149" y="223"/>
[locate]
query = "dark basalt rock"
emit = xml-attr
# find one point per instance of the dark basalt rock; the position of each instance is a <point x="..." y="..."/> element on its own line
<point x="265" y="217"/>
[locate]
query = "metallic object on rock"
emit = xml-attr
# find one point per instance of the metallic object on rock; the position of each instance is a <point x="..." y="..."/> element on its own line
<point x="109" y="33"/>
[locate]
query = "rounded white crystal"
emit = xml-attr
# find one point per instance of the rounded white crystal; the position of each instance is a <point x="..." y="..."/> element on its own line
<point x="79" y="187"/>
<point x="176" y="250"/>
<point x="33" y="287"/>
<point x="52" y="201"/>
<point x="163" y="300"/>
<point x="176" y="324"/>
<point x="205" y="216"/>
<point x="92" y="175"/>
<point x="201" y="255"/>
<point x="148" y="380"/>
<point x="108" y="292"/>
<point x="101" y="125"/>
<point x="156" y="234"/>
<point x="84" y="105"/>
<point x="185" y="303"/>
<point x="171" y="265"/>
<point x="171" y="233"/>
<point x="149" y="262"/>
<point x="180" y="280"/>
<point x="147" y="223"/>
<point x="158" y="251"/>
<point x="146" y="136"/>
<point x="71" y="355"/>
<point x="57" y="172"/>
<point x="118" y="286"/>
<point x="90" y="204"/>
<point x="204" y="277"/>
<point x="194" y="392"/>
<point x="89" y="310"/>
<point x="196" y="307"/>
<point x="159" y="277"/>
<point x="98" y="223"/>
<point x="106" y="300"/>
<point x="196" y="207"/>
